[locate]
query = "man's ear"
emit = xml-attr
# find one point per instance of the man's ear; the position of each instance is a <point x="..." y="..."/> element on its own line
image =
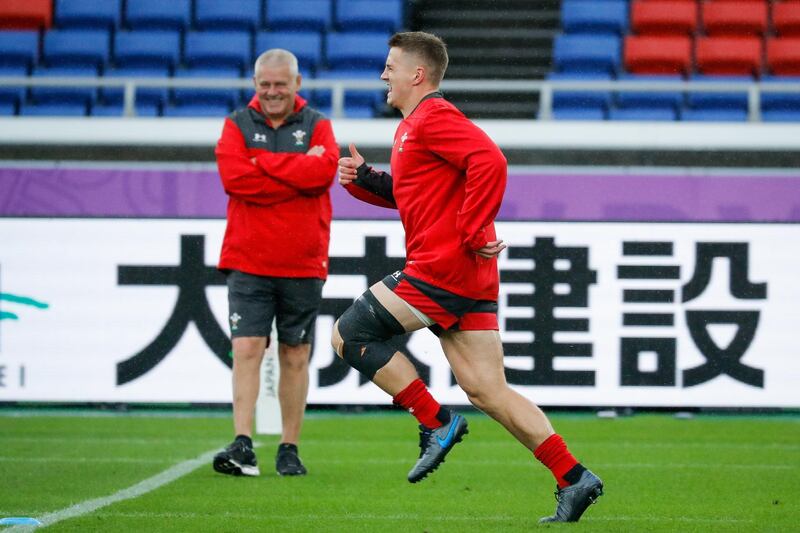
<point x="419" y="76"/>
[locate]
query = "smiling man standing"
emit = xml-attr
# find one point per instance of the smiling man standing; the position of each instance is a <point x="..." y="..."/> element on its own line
<point x="447" y="182"/>
<point x="277" y="160"/>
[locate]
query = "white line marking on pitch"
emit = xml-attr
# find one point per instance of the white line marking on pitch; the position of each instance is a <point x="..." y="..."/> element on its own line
<point x="143" y="487"/>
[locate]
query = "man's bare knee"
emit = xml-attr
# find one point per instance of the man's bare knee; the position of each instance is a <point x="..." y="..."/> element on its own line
<point x="248" y="349"/>
<point x="336" y="339"/>
<point x="295" y="358"/>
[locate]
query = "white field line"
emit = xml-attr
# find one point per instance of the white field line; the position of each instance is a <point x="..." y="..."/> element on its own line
<point x="143" y="487"/>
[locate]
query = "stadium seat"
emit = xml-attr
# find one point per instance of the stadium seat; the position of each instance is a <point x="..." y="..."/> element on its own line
<point x="356" y="51"/>
<point x="76" y="47"/>
<point x="369" y="15"/>
<point x="147" y="48"/>
<point x="714" y="115"/>
<point x="64" y="94"/>
<point x="579" y="114"/>
<point x="155" y="96"/>
<point x="728" y="55"/>
<point x="786" y="18"/>
<point x="218" y="49"/>
<point x="586" y="53"/>
<point x="580" y="100"/>
<point x="196" y="111"/>
<point x="664" y="17"/>
<point x="671" y="100"/>
<point x="235" y="15"/>
<point x="12" y="95"/>
<point x="780" y="115"/>
<point x="306" y="45"/>
<point x="642" y="114"/>
<point x="783" y="56"/>
<point x="26" y="14"/>
<point x="595" y="16"/>
<point x="184" y="96"/>
<point x="667" y="54"/>
<point x="118" y="110"/>
<point x="734" y="100"/>
<point x="772" y="101"/>
<point x="8" y="109"/>
<point x="48" y="109"/>
<point x="353" y="99"/>
<point x="313" y="15"/>
<point x="734" y="18"/>
<point x="19" y="48"/>
<point x="158" y="14"/>
<point x="88" y="14"/>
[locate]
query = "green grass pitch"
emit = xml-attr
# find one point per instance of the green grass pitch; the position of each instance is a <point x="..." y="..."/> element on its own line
<point x="709" y="473"/>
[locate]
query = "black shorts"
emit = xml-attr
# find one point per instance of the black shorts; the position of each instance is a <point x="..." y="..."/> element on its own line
<point x="253" y="302"/>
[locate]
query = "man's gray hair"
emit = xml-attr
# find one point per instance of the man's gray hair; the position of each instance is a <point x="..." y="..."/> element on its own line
<point x="278" y="56"/>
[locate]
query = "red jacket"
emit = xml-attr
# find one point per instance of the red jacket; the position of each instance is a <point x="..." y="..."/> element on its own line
<point x="448" y="179"/>
<point x="279" y="208"/>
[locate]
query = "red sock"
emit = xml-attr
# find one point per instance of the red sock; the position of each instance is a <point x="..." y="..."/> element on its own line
<point x="418" y="401"/>
<point x="553" y="454"/>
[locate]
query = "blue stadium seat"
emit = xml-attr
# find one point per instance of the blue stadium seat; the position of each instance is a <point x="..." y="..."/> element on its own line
<point x="306" y="45"/>
<point x="8" y="109"/>
<point x="356" y="51"/>
<point x="158" y="14"/>
<point x="228" y="15"/>
<point x="298" y="15"/>
<point x="19" y="48"/>
<point x="144" y="95"/>
<point x="218" y="49"/>
<point x="367" y="99"/>
<point x="723" y="101"/>
<point x="196" y="111"/>
<point x="349" y="111"/>
<point x="714" y="115"/>
<point x="369" y="15"/>
<point x="781" y="115"/>
<point x="580" y="100"/>
<point x="595" y="16"/>
<point x="671" y="100"/>
<point x="88" y="14"/>
<point x="48" y="109"/>
<point x="206" y="96"/>
<point x="147" y="49"/>
<point x="779" y="102"/>
<point x="579" y="114"/>
<point x="118" y="110"/>
<point x="64" y="94"/>
<point x="643" y="115"/>
<point x="76" y="47"/>
<point x="587" y="53"/>
<point x="13" y="95"/>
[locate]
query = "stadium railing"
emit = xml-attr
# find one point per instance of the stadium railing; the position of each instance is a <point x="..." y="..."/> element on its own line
<point x="544" y="89"/>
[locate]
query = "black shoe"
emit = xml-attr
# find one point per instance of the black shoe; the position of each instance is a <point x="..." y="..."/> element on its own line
<point x="237" y="459"/>
<point x="287" y="462"/>
<point x="435" y="444"/>
<point x="573" y="500"/>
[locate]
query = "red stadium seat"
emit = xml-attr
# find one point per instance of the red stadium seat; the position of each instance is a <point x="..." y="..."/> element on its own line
<point x="26" y="14"/>
<point x="783" y="56"/>
<point x="658" y="54"/>
<point x="729" y="55"/>
<point x="786" y="18"/>
<point x="735" y="18"/>
<point x="663" y="17"/>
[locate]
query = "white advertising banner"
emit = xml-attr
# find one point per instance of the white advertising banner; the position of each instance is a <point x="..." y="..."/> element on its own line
<point x="591" y="313"/>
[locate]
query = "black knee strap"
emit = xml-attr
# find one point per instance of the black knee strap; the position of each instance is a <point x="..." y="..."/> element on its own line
<point x="365" y="327"/>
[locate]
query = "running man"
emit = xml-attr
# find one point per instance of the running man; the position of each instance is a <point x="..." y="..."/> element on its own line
<point x="447" y="182"/>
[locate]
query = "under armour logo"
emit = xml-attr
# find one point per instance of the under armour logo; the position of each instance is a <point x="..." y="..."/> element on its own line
<point x="260" y="137"/>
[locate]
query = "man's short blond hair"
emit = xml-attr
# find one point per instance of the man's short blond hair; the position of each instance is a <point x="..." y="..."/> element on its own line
<point x="426" y="46"/>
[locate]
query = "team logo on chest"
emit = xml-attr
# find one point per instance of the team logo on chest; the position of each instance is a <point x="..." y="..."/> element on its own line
<point x="402" y="141"/>
<point x="260" y="137"/>
<point x="298" y="137"/>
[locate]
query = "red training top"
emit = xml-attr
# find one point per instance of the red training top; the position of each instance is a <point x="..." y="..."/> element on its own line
<point x="448" y="179"/>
